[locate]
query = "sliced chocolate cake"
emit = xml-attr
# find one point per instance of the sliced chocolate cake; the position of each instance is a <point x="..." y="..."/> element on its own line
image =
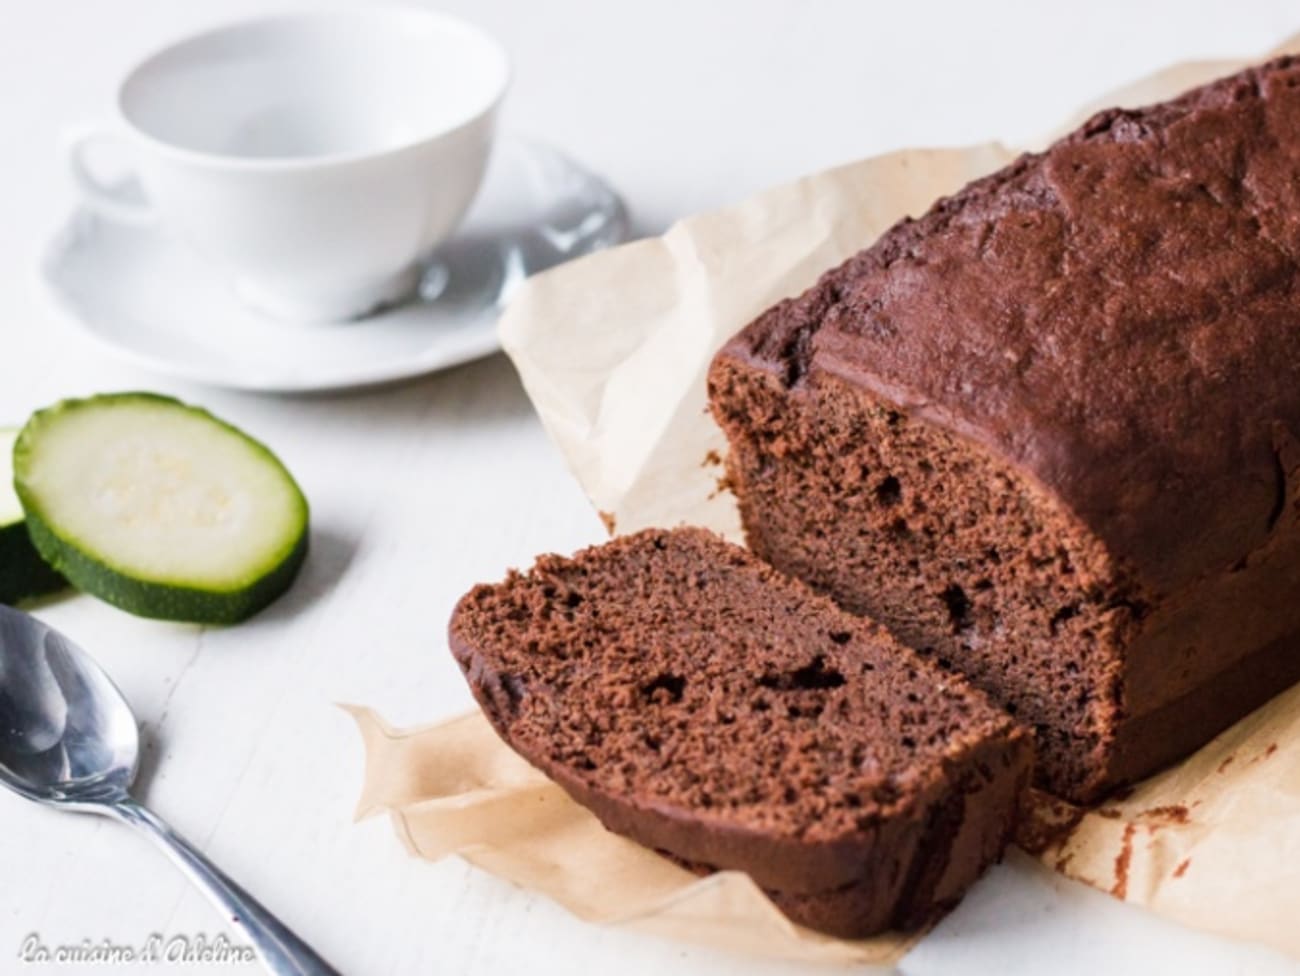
<point x="1048" y="433"/>
<point x="708" y="707"/>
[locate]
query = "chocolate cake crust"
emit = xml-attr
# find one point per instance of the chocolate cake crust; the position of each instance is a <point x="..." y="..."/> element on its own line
<point x="1116" y="316"/>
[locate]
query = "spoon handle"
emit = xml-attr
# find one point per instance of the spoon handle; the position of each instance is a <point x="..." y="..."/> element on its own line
<point x="282" y="952"/>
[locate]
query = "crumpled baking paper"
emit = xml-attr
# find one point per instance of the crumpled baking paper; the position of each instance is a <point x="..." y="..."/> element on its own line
<point x="455" y="788"/>
<point x="613" y="351"/>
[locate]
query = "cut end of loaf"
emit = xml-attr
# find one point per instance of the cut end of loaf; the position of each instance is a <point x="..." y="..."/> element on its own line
<point x="955" y="553"/>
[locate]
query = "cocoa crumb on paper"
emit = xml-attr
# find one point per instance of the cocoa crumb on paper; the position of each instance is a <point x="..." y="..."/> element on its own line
<point x="721" y="486"/>
<point x="1046" y="822"/>
<point x="1182" y="867"/>
<point x="1166" y="816"/>
<point x="608" y="519"/>
<point x="1262" y="756"/>
<point x="1122" y="861"/>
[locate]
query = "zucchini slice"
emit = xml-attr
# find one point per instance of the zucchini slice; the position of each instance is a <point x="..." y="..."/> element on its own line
<point x="23" y="573"/>
<point x="160" y="508"/>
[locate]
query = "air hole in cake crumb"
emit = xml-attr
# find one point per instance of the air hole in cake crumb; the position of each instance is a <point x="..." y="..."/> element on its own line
<point x="841" y="636"/>
<point x="889" y="492"/>
<point x="1061" y="616"/>
<point x="959" y="607"/>
<point x="811" y="676"/>
<point x="799" y="711"/>
<point x="665" y="688"/>
<point x="573" y="600"/>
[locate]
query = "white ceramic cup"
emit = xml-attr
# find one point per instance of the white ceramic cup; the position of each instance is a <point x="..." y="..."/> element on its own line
<point x="318" y="157"/>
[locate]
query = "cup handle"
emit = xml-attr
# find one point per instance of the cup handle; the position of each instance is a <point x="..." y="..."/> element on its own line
<point x="124" y="201"/>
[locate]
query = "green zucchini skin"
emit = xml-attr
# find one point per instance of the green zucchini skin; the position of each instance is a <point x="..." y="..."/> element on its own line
<point x="141" y="596"/>
<point x="164" y="601"/>
<point x="24" y="575"/>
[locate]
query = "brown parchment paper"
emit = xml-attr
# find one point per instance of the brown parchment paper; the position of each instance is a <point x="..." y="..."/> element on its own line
<point x="455" y="788"/>
<point x="613" y="351"/>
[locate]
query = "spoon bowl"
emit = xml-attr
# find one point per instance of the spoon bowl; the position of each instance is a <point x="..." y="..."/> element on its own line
<point x="67" y="735"/>
<point x="68" y="738"/>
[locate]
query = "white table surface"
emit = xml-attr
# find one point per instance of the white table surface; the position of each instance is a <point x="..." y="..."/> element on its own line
<point x="421" y="490"/>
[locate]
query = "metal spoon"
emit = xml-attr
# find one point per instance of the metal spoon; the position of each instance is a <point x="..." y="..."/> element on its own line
<point x="68" y="738"/>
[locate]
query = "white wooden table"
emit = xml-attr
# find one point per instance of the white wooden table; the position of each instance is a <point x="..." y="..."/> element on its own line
<point x="421" y="490"/>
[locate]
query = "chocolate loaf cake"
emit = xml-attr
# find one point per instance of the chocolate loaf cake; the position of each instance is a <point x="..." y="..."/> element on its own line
<point x="1047" y="432"/>
<point x="705" y="706"/>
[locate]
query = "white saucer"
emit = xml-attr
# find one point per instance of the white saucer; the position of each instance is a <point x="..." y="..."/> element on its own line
<point x="147" y="299"/>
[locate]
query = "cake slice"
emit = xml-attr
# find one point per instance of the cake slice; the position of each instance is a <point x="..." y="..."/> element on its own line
<point x="704" y="705"/>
